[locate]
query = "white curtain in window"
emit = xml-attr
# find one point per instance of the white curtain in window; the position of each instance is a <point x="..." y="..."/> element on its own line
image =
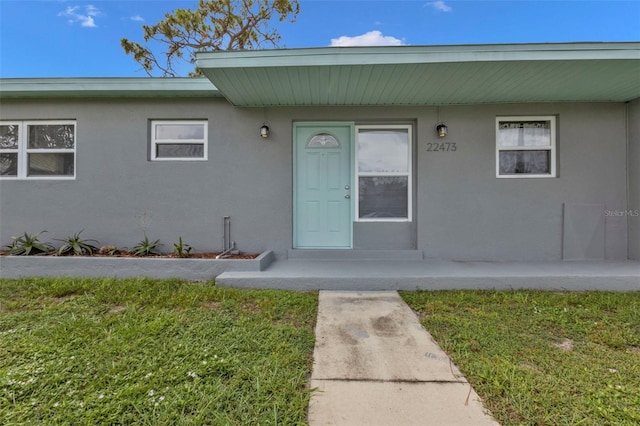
<point x="535" y="133"/>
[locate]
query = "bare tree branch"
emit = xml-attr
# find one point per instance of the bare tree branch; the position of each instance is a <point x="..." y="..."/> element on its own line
<point x="214" y="25"/>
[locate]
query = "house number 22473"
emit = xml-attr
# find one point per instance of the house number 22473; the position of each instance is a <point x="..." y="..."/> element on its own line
<point x="441" y="147"/>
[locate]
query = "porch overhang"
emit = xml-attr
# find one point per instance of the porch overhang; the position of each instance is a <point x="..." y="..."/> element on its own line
<point x="426" y="75"/>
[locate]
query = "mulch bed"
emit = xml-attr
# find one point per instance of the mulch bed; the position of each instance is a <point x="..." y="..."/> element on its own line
<point x="212" y="255"/>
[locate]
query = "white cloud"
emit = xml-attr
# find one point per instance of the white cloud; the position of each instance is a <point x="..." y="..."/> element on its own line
<point x="83" y="15"/>
<point x="137" y="18"/>
<point x="88" y="22"/>
<point x="440" y="5"/>
<point x="372" y="38"/>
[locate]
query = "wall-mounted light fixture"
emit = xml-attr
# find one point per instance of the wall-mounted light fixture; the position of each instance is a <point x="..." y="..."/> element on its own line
<point x="442" y="130"/>
<point x="264" y="131"/>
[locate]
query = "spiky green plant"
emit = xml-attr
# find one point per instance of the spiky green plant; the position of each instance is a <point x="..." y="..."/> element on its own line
<point x="180" y="249"/>
<point x="146" y="247"/>
<point x="28" y="245"/>
<point x="76" y="245"/>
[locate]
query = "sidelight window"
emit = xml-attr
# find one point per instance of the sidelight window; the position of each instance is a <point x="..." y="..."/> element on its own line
<point x="383" y="173"/>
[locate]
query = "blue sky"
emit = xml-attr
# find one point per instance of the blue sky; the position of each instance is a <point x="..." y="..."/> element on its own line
<point x="66" y="38"/>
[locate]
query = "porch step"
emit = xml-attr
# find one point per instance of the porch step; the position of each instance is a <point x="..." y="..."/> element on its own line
<point x="349" y="255"/>
<point x="372" y="275"/>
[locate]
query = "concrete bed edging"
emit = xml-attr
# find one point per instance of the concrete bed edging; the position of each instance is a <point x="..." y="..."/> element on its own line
<point x="127" y="267"/>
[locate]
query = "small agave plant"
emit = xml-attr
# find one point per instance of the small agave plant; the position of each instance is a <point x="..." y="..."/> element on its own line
<point x="146" y="247"/>
<point x="75" y="245"/>
<point x="28" y="245"/>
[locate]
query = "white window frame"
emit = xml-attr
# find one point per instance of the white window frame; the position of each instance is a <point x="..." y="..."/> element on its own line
<point x="155" y="141"/>
<point x="408" y="173"/>
<point x="23" y="150"/>
<point x="551" y="147"/>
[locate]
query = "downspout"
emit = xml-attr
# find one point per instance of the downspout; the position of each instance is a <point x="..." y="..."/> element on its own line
<point x="628" y="178"/>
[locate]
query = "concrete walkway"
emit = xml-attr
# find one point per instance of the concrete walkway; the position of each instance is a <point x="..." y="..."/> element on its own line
<point x="374" y="364"/>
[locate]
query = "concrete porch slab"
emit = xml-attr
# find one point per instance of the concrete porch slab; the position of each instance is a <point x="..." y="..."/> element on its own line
<point x="438" y="275"/>
<point x="350" y="255"/>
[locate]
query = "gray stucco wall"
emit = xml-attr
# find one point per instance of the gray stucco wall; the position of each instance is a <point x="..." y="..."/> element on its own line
<point x="634" y="179"/>
<point x="467" y="213"/>
<point x="245" y="178"/>
<point x="461" y="210"/>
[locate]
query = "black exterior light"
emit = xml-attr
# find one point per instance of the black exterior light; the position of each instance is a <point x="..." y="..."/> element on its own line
<point x="264" y="131"/>
<point x="442" y="130"/>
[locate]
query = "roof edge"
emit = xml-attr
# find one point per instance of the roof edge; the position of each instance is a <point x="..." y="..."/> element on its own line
<point x="328" y="56"/>
<point x="132" y="87"/>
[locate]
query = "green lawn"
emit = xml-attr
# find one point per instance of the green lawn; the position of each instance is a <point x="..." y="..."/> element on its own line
<point x="540" y="358"/>
<point x="164" y="352"/>
<point x="156" y="352"/>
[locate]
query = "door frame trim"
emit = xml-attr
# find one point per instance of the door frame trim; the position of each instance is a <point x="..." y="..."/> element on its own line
<point x="294" y="168"/>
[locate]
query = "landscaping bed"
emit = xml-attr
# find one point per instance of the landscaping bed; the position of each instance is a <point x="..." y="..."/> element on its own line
<point x="189" y="268"/>
<point x="123" y="253"/>
<point x="75" y="256"/>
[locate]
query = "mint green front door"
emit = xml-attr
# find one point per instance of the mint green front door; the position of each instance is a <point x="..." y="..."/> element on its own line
<point x="322" y="185"/>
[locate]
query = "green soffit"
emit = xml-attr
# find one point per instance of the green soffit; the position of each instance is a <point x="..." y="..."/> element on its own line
<point x="391" y="75"/>
<point x="427" y="75"/>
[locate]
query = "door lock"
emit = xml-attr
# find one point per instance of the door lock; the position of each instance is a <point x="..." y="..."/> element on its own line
<point x="347" y="187"/>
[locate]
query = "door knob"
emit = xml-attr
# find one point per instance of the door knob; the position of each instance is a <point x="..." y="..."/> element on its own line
<point x="347" y="196"/>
